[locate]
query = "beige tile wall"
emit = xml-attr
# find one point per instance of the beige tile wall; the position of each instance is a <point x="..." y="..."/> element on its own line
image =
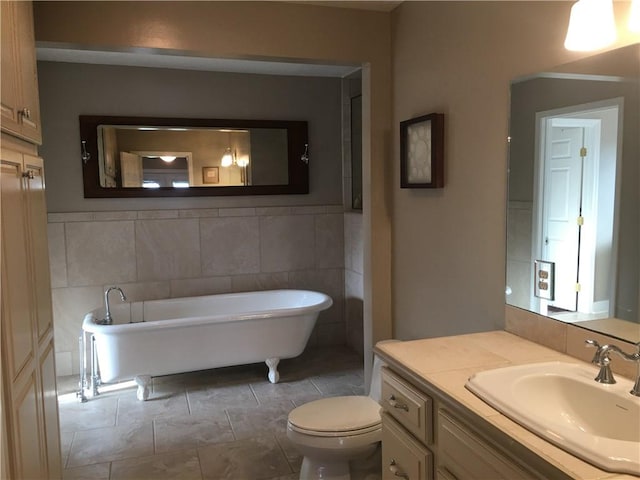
<point x="353" y="280"/>
<point x="177" y="253"/>
<point x="564" y="337"/>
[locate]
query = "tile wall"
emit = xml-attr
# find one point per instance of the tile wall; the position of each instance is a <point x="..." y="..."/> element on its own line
<point x="564" y="337"/>
<point x="153" y="254"/>
<point x="519" y="235"/>
<point x="353" y="235"/>
<point x="353" y="281"/>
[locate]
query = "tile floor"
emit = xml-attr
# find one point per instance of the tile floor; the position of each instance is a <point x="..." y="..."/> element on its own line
<point x="227" y="423"/>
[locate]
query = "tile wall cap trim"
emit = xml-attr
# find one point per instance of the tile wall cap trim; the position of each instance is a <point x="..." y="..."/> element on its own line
<point x="237" y="212"/>
<point x="270" y="211"/>
<point x="157" y="214"/>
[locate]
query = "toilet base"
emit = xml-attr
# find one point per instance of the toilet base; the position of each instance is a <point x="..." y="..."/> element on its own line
<point x="318" y="470"/>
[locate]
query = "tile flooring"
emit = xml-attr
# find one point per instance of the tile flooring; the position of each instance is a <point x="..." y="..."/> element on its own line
<point x="227" y="423"/>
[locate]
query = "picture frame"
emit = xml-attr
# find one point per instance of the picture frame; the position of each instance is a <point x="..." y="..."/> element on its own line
<point x="422" y="152"/>
<point x="210" y="175"/>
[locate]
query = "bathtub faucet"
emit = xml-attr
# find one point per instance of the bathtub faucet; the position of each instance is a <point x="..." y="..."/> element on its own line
<point x="107" y="318"/>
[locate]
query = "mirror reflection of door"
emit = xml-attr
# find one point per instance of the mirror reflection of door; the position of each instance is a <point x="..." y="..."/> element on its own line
<point x="131" y="169"/>
<point x="575" y="205"/>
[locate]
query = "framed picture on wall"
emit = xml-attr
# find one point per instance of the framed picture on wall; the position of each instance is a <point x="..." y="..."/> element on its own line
<point x="210" y="175"/>
<point x="422" y="152"/>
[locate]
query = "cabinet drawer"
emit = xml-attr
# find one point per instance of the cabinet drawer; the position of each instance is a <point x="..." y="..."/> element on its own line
<point x="402" y="456"/>
<point x="410" y="407"/>
<point x="463" y="455"/>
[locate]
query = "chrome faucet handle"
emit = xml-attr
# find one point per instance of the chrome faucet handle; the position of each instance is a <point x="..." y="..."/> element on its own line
<point x="605" y="375"/>
<point x="596" y="355"/>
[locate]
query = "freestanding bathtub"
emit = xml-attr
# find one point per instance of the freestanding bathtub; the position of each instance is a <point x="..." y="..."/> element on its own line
<point x="162" y="337"/>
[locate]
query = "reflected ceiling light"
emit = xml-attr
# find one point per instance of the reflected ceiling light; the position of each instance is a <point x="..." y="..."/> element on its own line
<point x="591" y="26"/>
<point x="227" y="158"/>
<point x="167" y="158"/>
<point x="634" y="16"/>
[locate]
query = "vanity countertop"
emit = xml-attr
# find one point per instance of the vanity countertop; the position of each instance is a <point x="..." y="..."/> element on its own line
<point x="447" y="362"/>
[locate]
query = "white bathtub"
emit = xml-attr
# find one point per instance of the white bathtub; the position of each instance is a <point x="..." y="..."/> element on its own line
<point x="162" y="337"/>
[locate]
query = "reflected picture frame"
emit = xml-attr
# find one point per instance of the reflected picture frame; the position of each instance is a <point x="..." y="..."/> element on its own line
<point x="210" y="175"/>
<point x="422" y="152"/>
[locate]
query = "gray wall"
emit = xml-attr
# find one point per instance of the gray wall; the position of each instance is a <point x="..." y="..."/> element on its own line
<point x="68" y="90"/>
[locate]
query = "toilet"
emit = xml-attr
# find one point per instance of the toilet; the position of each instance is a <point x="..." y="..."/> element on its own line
<point x="332" y="431"/>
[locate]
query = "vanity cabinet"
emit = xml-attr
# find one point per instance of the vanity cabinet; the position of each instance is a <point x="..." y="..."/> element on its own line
<point x="464" y="455"/>
<point x="427" y="435"/>
<point x="407" y="426"/>
<point x="19" y="104"/>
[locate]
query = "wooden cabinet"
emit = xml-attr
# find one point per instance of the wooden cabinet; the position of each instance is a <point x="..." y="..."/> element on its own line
<point x="426" y="434"/>
<point x="31" y="442"/>
<point x="19" y="105"/>
<point x="402" y="455"/>
<point x="465" y="455"/>
<point x="407" y="426"/>
<point x="28" y="397"/>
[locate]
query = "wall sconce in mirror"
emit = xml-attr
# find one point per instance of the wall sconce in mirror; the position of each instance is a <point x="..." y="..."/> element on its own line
<point x="157" y="157"/>
<point x="422" y="152"/>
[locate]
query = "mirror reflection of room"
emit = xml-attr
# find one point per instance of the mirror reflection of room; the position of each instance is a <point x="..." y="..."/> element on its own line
<point x="158" y="157"/>
<point x="572" y="248"/>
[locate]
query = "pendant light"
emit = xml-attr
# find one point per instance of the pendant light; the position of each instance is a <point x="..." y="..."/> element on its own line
<point x="592" y="25"/>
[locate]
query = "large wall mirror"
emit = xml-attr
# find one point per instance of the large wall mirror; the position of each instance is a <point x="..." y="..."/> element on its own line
<point x="573" y="244"/>
<point x="162" y="157"/>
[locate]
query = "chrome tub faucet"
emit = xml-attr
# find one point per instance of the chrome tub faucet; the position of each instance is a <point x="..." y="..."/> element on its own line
<point x="602" y="359"/>
<point x="108" y="319"/>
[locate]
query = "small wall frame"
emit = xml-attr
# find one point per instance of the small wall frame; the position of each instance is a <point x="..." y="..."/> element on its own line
<point x="210" y="175"/>
<point x="422" y="152"/>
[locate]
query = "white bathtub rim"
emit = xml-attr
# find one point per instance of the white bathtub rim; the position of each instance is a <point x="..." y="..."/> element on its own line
<point x="90" y="322"/>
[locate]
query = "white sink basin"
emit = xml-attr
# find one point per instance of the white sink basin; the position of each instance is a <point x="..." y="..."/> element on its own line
<point x="563" y="403"/>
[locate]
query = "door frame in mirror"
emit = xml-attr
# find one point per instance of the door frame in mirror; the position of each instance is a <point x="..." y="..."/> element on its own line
<point x="297" y="139"/>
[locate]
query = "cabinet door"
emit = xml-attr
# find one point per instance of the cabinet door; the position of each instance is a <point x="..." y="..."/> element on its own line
<point x="17" y="313"/>
<point x="10" y="92"/>
<point x="402" y="456"/>
<point x="37" y="221"/>
<point x="50" y="411"/>
<point x="464" y="455"/>
<point x="19" y="105"/>
<point x="30" y="103"/>
<point x="28" y="371"/>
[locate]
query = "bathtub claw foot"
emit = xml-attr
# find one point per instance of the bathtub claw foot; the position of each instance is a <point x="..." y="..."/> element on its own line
<point x="144" y="384"/>
<point x="272" y="363"/>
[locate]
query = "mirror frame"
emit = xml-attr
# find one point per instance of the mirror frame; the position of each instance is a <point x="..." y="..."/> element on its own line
<point x="297" y="138"/>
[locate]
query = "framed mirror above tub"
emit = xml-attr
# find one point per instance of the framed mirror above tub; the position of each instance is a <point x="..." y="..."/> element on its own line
<point x="179" y="157"/>
<point x="573" y="244"/>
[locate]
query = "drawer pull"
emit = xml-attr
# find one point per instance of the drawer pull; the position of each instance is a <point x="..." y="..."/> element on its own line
<point x="392" y="401"/>
<point x="393" y="468"/>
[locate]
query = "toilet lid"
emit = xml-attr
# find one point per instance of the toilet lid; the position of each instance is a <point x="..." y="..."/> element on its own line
<point x="336" y="414"/>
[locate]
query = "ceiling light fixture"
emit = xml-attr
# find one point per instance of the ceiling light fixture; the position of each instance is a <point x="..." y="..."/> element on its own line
<point x="167" y="158"/>
<point x="592" y="25"/>
<point x="634" y="16"/>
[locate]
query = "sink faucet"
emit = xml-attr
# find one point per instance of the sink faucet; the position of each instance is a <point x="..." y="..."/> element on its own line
<point x="107" y="318"/>
<point x="601" y="359"/>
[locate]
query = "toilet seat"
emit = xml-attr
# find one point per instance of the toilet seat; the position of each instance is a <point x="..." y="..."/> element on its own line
<point x="336" y="416"/>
